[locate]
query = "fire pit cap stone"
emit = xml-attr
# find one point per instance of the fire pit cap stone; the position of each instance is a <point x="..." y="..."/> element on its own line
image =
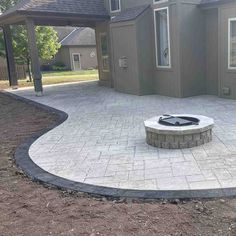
<point x="153" y="125"/>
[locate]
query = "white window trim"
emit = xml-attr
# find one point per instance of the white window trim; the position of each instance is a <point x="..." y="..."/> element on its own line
<point x="119" y="10"/>
<point x="73" y="61"/>
<point x="102" y="56"/>
<point x="168" y="28"/>
<point x="229" y="46"/>
<point x="162" y="1"/>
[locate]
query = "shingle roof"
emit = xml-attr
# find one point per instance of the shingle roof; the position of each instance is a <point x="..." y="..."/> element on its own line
<point x="76" y="7"/>
<point x="130" y="14"/>
<point x="80" y="37"/>
<point x="62" y="32"/>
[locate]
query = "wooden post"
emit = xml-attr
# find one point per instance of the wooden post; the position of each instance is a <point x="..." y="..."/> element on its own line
<point x="12" y="75"/>
<point x="33" y="50"/>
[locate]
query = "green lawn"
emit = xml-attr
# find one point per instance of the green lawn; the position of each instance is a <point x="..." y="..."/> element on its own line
<point x="58" y="77"/>
<point x="69" y="73"/>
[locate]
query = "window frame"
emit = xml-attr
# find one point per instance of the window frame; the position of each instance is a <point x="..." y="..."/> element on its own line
<point x="229" y="44"/>
<point x="119" y="10"/>
<point x="161" y="1"/>
<point x="104" y="56"/>
<point x="169" y="45"/>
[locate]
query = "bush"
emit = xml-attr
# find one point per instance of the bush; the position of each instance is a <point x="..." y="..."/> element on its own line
<point x="46" y="67"/>
<point x="59" y="66"/>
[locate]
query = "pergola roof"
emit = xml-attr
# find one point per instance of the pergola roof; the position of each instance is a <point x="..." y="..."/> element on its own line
<point x="45" y="11"/>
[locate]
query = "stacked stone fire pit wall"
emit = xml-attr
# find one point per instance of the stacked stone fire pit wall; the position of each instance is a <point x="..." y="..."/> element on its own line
<point x="178" y="141"/>
<point x="169" y="137"/>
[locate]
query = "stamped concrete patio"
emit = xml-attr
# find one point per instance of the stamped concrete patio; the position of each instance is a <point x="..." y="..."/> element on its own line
<point x="103" y="141"/>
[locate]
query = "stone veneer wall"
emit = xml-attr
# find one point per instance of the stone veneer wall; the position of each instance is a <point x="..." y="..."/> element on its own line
<point x="178" y="141"/>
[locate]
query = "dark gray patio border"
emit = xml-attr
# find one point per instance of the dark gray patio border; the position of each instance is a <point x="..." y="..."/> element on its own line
<point x="34" y="172"/>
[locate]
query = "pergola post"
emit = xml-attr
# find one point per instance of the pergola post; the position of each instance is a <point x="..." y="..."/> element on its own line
<point x="33" y="50"/>
<point x="10" y="57"/>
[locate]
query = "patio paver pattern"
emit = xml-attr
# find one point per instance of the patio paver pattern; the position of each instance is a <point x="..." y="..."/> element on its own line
<point x="103" y="141"/>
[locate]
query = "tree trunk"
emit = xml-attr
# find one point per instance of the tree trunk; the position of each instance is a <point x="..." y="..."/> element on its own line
<point x="29" y="70"/>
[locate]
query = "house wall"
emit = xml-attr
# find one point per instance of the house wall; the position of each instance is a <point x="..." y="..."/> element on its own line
<point x="167" y="80"/>
<point x="125" y="79"/>
<point x="145" y="55"/>
<point x="63" y="56"/>
<point x="211" y="29"/>
<point x="87" y="62"/>
<point x="137" y="77"/>
<point x="192" y="50"/>
<point x="227" y="77"/>
<point x="131" y="3"/>
<point x="138" y="45"/>
<point x="198" y="44"/>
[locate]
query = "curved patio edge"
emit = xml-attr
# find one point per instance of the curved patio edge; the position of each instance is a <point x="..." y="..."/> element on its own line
<point x="35" y="173"/>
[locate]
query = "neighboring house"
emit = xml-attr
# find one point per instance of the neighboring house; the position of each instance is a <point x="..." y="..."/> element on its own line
<point x="78" y="48"/>
<point x="175" y="48"/>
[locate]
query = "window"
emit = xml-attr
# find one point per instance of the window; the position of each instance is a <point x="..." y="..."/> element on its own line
<point x="162" y="37"/>
<point x="232" y="44"/>
<point x="104" y="52"/>
<point x="115" y="5"/>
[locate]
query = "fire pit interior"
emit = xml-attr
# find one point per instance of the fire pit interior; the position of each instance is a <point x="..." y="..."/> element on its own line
<point x="169" y="120"/>
<point x="178" y="131"/>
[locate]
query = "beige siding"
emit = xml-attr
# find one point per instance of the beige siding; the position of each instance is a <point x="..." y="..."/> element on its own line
<point x="126" y="79"/>
<point x="63" y="56"/>
<point x="192" y="50"/>
<point x="167" y="80"/>
<point x="87" y="62"/>
<point x="227" y="77"/>
<point x="212" y="51"/>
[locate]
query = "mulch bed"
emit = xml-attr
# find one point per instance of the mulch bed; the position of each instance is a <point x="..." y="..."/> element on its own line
<point x="30" y="209"/>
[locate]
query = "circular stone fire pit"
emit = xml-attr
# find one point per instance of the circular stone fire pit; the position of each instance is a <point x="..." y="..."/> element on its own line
<point x="178" y="131"/>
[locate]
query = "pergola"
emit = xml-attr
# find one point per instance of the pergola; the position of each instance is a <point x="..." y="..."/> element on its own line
<point x="80" y="13"/>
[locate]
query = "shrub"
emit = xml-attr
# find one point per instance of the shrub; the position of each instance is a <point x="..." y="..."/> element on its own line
<point x="46" y="67"/>
<point x="59" y="66"/>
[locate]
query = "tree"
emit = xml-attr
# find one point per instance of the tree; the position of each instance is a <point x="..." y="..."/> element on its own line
<point x="6" y="4"/>
<point x="2" y="47"/>
<point x="46" y="40"/>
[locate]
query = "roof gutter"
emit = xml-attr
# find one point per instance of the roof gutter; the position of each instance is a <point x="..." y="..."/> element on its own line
<point x="60" y="14"/>
<point x="215" y="4"/>
<point x="7" y="17"/>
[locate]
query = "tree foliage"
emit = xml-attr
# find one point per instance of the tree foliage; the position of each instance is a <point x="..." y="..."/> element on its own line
<point x="46" y="39"/>
<point x="6" y="4"/>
